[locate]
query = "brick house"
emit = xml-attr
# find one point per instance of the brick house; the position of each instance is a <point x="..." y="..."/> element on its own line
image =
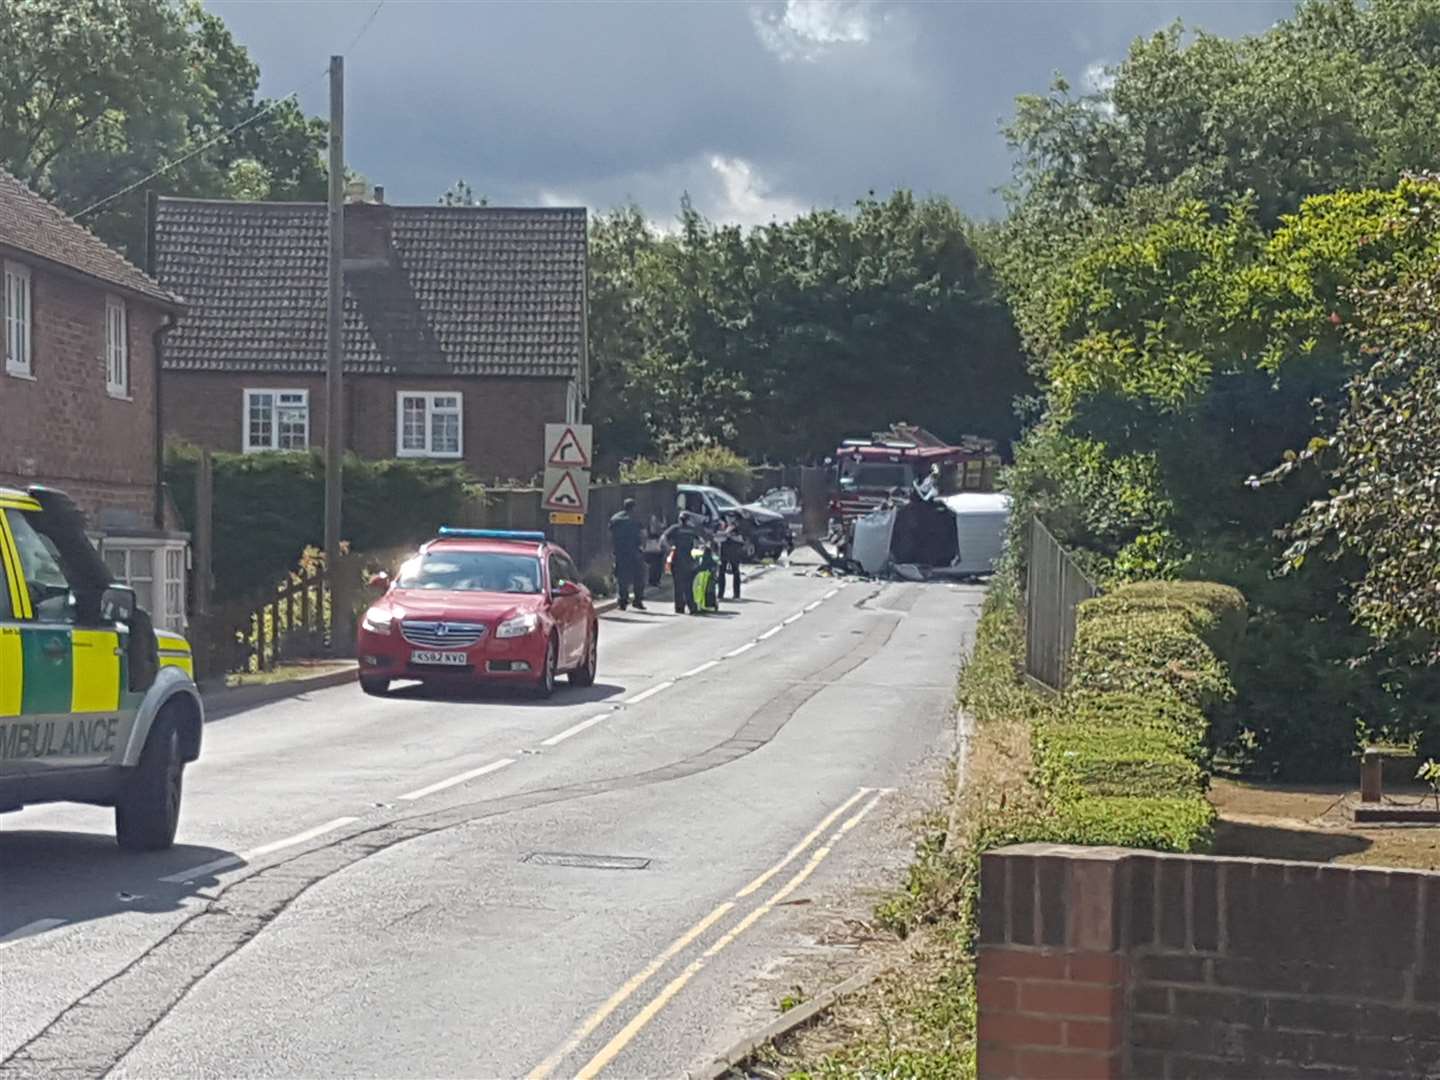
<point x="465" y="328"/>
<point x="78" y="402"/>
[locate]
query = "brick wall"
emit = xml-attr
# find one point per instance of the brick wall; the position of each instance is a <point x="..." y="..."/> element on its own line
<point x="1106" y="962"/>
<point x="504" y="419"/>
<point x="63" y="428"/>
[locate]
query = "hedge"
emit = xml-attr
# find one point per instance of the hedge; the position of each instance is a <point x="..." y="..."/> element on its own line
<point x="269" y="507"/>
<point x="1124" y="759"/>
<point x="1216" y="612"/>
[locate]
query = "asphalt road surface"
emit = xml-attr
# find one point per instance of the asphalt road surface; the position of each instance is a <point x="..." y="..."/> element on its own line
<point x="487" y="885"/>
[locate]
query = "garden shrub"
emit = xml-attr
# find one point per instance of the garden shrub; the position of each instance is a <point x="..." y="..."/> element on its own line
<point x="716" y="466"/>
<point x="268" y="508"/>
<point x="1125" y="758"/>
<point x="1156" y="653"/>
<point x="1217" y="612"/>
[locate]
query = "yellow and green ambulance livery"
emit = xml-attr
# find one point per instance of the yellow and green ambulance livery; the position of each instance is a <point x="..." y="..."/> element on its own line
<point x="96" y="706"/>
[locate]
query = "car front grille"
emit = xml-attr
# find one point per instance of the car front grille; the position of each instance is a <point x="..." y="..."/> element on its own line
<point x="442" y="635"/>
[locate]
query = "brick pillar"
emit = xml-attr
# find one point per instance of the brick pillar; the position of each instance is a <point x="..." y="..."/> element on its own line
<point x="1052" y="964"/>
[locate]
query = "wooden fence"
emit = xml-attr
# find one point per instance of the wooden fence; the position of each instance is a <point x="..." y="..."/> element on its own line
<point x="1054" y="587"/>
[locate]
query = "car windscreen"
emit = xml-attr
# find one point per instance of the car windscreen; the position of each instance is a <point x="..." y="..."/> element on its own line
<point x="471" y="571"/>
<point x="723" y="500"/>
<point x="874" y="474"/>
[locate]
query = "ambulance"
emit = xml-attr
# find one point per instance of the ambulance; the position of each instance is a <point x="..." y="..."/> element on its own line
<point x="96" y="705"/>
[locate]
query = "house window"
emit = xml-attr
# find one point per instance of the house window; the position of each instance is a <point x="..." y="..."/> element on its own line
<point x="16" y="307"/>
<point x="277" y="420"/>
<point x="117" y="348"/>
<point x="427" y="425"/>
<point x="155" y="569"/>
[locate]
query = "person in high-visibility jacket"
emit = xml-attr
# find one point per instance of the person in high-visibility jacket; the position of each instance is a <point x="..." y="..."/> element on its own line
<point x="706" y="585"/>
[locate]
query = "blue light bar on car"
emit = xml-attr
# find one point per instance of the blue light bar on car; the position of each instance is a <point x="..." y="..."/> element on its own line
<point x="488" y="534"/>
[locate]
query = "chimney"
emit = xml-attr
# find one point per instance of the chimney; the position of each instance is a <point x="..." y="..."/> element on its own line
<point x="367" y="237"/>
<point x="379" y="193"/>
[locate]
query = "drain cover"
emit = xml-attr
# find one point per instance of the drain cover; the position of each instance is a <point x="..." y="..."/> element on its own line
<point x="586" y="862"/>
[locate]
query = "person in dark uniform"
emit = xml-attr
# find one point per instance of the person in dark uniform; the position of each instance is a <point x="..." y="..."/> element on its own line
<point x="683" y="538"/>
<point x="625" y="539"/>
<point x="732" y="550"/>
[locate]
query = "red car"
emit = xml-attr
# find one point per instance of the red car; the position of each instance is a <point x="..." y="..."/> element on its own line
<point x="481" y="605"/>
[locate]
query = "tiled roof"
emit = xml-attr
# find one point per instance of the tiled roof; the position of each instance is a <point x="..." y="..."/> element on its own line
<point x="30" y="224"/>
<point x="458" y="290"/>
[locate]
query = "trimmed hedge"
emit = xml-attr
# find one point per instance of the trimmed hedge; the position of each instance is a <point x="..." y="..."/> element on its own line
<point x="1124" y="759"/>
<point x="268" y="508"/>
<point x="1216" y="612"/>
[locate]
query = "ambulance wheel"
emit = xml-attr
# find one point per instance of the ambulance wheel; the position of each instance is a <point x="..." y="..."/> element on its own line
<point x="147" y="810"/>
<point x="584" y="675"/>
<point x="375" y="687"/>
<point x="545" y="685"/>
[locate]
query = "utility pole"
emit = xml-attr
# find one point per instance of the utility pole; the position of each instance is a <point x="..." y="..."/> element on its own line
<point x="334" y="343"/>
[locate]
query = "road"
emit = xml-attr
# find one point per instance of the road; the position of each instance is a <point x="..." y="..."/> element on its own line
<point x="606" y="883"/>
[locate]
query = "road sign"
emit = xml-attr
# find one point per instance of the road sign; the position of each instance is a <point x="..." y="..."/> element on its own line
<point x="567" y="446"/>
<point x="566" y="490"/>
<point x="567" y="519"/>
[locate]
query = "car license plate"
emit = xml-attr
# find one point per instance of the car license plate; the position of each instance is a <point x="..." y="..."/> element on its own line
<point x="444" y="659"/>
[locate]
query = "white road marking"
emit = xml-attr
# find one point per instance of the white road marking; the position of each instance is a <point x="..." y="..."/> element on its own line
<point x="813" y="605"/>
<point x="556" y="740"/>
<point x="39" y="926"/>
<point x="741" y="651"/>
<point x="793" y="618"/>
<point x="768" y="634"/>
<point x="255" y="853"/>
<point x="831" y="594"/>
<point x="698" y="670"/>
<point x="494" y="766"/>
<point x="638" y="698"/>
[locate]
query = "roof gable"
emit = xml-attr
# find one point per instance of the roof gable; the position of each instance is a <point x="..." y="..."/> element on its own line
<point x="453" y="290"/>
<point x="34" y="226"/>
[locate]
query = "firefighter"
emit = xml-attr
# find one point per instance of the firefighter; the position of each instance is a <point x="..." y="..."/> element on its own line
<point x="625" y="539"/>
<point x="683" y="538"/>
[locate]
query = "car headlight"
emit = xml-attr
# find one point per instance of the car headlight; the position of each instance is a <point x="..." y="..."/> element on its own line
<point x="377" y="621"/>
<point x="518" y="625"/>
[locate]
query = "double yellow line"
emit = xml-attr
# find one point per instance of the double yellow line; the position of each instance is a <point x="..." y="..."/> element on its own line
<point x="627" y="1034"/>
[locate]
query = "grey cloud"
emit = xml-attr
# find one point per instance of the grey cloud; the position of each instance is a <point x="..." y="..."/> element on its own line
<point x="600" y="102"/>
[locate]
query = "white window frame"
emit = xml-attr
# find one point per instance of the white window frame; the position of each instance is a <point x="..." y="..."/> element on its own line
<point x="246" y="443"/>
<point x="18" y="328"/>
<point x="169" y="571"/>
<point x="431" y="410"/>
<point x="117" y="348"/>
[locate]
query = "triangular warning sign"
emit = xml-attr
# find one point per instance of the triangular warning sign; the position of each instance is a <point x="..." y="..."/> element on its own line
<point x="568" y="453"/>
<point x="565" y="494"/>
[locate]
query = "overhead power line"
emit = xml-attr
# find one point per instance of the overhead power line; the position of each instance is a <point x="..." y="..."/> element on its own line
<point x="163" y="169"/>
<point x="186" y="157"/>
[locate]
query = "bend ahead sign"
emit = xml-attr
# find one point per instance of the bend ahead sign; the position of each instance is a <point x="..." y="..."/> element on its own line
<point x="567" y="471"/>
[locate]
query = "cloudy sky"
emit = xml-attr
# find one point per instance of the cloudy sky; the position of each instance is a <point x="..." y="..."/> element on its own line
<point x="757" y="109"/>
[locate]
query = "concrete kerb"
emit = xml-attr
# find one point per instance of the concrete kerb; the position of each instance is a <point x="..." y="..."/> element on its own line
<point x="222" y="701"/>
<point x="733" y="1060"/>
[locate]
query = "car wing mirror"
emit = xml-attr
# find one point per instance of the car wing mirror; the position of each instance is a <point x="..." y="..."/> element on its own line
<point x="118" y="604"/>
<point x="567" y="588"/>
<point x="380" y="582"/>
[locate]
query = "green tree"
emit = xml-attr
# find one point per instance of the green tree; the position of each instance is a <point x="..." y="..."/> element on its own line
<point x="1384" y="503"/>
<point x="785" y="339"/>
<point x="97" y="94"/>
<point x="1342" y="95"/>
